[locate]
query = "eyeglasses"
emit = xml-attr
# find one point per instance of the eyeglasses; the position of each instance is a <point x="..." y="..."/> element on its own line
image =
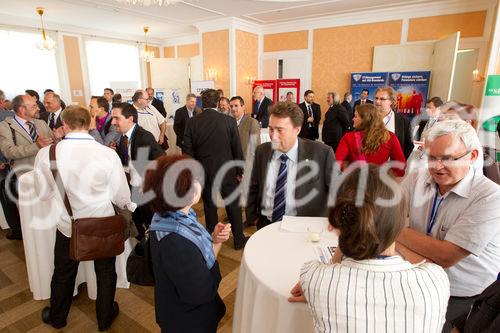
<point x="446" y="160"/>
<point x="382" y="98"/>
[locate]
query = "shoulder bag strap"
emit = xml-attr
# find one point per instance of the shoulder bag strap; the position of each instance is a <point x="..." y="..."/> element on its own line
<point x="58" y="180"/>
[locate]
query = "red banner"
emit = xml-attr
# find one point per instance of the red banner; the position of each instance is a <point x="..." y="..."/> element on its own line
<point x="289" y="89"/>
<point x="269" y="88"/>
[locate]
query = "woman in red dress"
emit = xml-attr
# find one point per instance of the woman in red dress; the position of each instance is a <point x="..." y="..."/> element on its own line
<point x="371" y="142"/>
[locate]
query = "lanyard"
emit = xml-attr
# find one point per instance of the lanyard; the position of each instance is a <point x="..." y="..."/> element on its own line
<point x="434" y="212"/>
<point x="389" y="119"/>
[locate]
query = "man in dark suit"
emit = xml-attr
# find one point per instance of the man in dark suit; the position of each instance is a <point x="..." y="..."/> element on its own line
<point x="156" y="102"/>
<point x="432" y="114"/>
<point x="312" y="116"/>
<point x="346" y="103"/>
<point x="35" y="95"/>
<point x="336" y="122"/>
<point x="212" y="138"/>
<point x="363" y="99"/>
<point x="281" y="182"/>
<point x="52" y="103"/>
<point x="261" y="106"/>
<point x="182" y="115"/>
<point x="133" y="137"/>
<point x="394" y="122"/>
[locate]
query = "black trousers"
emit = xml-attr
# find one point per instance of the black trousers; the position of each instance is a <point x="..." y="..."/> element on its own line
<point x="262" y="222"/>
<point x="142" y="219"/>
<point x="63" y="284"/>
<point x="233" y="211"/>
<point x="457" y="306"/>
<point x="9" y="206"/>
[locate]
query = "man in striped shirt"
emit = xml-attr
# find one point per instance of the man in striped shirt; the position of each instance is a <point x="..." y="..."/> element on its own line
<point x="454" y="215"/>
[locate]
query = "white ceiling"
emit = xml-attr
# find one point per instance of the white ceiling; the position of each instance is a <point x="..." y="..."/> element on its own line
<point x="111" y="18"/>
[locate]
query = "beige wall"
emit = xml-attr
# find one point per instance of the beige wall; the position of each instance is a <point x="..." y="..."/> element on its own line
<point x="216" y="56"/>
<point x="156" y="50"/>
<point x="188" y="50"/>
<point x="286" y="41"/>
<point x="74" y="68"/>
<point x="247" y="57"/>
<point x="351" y="52"/>
<point x="435" y="27"/>
<point x="169" y="52"/>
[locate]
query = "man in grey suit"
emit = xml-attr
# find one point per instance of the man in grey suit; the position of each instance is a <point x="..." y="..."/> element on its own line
<point x="21" y="137"/>
<point x="248" y="127"/>
<point x="290" y="175"/>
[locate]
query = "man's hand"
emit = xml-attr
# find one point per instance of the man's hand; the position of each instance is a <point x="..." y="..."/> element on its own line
<point x="43" y="142"/>
<point x="112" y="145"/>
<point x="297" y="294"/>
<point x="221" y="233"/>
<point x="160" y="141"/>
<point x="310" y="120"/>
<point x="59" y="133"/>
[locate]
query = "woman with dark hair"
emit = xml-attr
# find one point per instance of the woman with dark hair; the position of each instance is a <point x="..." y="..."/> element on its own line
<point x="371" y="142"/>
<point x="184" y="254"/>
<point x="368" y="287"/>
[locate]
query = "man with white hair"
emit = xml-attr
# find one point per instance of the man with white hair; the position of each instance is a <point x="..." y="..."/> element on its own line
<point x="454" y="218"/>
<point x="261" y="106"/>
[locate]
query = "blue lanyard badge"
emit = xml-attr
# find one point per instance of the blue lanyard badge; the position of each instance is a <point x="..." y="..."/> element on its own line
<point x="434" y="212"/>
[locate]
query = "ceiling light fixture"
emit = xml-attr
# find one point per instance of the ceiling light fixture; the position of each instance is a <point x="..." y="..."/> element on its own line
<point x="46" y="43"/>
<point x="146" y="54"/>
<point x="147" y="3"/>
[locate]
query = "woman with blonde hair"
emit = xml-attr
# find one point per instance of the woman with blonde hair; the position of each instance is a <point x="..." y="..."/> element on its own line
<point x="371" y="142"/>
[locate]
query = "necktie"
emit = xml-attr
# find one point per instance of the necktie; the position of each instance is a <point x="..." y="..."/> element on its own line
<point x="52" y="123"/>
<point x="309" y="113"/>
<point x="256" y="109"/>
<point x="32" y="129"/>
<point x="280" y="191"/>
<point x="124" y="148"/>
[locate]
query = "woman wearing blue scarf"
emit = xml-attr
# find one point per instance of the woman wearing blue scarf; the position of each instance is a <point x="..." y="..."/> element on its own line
<point x="183" y="252"/>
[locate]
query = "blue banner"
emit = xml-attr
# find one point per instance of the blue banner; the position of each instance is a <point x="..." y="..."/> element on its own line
<point x="368" y="81"/>
<point x="411" y="91"/>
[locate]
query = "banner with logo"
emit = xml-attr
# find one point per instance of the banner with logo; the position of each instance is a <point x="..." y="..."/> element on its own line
<point x="368" y="81"/>
<point x="489" y="116"/>
<point x="289" y="87"/>
<point x="411" y="91"/>
<point x="125" y="88"/>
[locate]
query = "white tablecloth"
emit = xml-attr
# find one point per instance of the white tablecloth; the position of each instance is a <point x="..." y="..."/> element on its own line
<point x="270" y="267"/>
<point x="39" y="236"/>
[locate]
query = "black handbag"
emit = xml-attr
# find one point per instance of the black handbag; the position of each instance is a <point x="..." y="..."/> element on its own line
<point x="140" y="265"/>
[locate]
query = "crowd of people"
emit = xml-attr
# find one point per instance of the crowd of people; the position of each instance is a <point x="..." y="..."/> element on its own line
<point x="416" y="219"/>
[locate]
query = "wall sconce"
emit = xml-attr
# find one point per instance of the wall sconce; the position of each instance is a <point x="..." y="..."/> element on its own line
<point x="476" y="77"/>
<point x="211" y="75"/>
<point x="250" y="80"/>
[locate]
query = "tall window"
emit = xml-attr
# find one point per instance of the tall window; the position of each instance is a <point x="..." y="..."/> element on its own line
<point x="111" y="62"/>
<point x="24" y="66"/>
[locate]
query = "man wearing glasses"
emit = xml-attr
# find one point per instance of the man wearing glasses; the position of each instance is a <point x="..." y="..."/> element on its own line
<point x="149" y="117"/>
<point x="394" y="122"/>
<point x="454" y="219"/>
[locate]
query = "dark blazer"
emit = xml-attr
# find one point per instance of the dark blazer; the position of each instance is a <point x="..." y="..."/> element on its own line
<point x="141" y="138"/>
<point x="358" y="102"/>
<point x="403" y="132"/>
<point x="186" y="298"/>
<point x="159" y="106"/>
<point x="349" y="109"/>
<point x="46" y="116"/>
<point x="336" y="124"/>
<point x="308" y="151"/>
<point x="212" y="138"/>
<point x="180" y="119"/>
<point x="420" y="130"/>
<point x="262" y="114"/>
<point x="310" y="132"/>
<point x="109" y="133"/>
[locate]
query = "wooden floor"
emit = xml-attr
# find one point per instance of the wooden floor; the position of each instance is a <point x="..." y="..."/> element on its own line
<point x="20" y="313"/>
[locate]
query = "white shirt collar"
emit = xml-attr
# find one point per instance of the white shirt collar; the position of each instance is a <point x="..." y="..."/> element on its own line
<point x="22" y="121"/>
<point x="129" y="132"/>
<point x="78" y="135"/>
<point x="239" y="120"/>
<point x="292" y="154"/>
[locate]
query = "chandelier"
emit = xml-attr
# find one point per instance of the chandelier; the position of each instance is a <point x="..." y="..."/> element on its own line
<point x="147" y="3"/>
<point x="146" y="54"/>
<point x="46" y="43"/>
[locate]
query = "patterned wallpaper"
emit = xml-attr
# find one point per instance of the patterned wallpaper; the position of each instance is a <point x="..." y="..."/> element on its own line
<point x="434" y="27"/>
<point x="341" y="50"/>
<point x="247" y="57"/>
<point x="188" y="50"/>
<point x="286" y="41"/>
<point x="216" y="56"/>
<point x="74" y="66"/>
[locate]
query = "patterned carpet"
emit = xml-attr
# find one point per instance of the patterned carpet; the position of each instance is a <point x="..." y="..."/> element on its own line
<point x="20" y="313"/>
